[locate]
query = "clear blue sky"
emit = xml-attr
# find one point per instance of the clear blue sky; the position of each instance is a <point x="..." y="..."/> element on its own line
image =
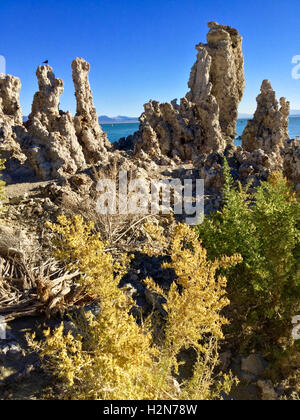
<point x="144" y="49"/>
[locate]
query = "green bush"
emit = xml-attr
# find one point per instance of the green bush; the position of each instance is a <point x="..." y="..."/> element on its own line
<point x="265" y="229"/>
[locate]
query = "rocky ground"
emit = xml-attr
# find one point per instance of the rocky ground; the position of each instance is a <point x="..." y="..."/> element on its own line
<point x="29" y="206"/>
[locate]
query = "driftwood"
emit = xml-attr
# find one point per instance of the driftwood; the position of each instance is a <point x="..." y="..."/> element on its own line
<point x="30" y="291"/>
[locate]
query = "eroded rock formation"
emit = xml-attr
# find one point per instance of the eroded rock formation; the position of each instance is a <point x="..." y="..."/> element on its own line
<point x="205" y="120"/>
<point x="90" y="135"/>
<point x="224" y="46"/>
<point x="199" y="129"/>
<point x="269" y="128"/>
<point x="51" y="144"/>
<point x="10" y="121"/>
<point x="291" y="161"/>
<point x="249" y="168"/>
<point x="10" y="108"/>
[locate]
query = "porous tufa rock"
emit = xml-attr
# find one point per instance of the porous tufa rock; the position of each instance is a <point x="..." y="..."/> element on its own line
<point x="291" y="161"/>
<point x="218" y="73"/>
<point x="205" y="119"/>
<point x="46" y="100"/>
<point x="224" y="46"/>
<point x="10" y="108"/>
<point x="249" y="168"/>
<point x="200" y="128"/>
<point x="10" y="121"/>
<point x="51" y="143"/>
<point x="164" y="132"/>
<point x="268" y="130"/>
<point x="90" y="135"/>
<point x="200" y="102"/>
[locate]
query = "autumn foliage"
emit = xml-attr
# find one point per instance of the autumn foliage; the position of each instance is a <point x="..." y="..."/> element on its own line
<point x="110" y="355"/>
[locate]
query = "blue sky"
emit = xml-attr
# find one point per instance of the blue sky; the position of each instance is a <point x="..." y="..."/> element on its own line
<point x="141" y="50"/>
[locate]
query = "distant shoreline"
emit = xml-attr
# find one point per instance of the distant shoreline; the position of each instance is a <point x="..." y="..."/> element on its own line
<point x="25" y="118"/>
<point x="137" y="122"/>
<point x="119" y="122"/>
<point x="250" y="118"/>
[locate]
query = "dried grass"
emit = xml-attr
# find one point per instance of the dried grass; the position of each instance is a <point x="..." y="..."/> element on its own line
<point x="29" y="287"/>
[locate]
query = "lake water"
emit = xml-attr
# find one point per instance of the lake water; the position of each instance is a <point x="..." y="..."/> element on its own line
<point x="116" y="131"/>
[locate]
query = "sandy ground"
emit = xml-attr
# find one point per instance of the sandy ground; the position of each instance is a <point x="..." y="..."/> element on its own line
<point x="18" y="190"/>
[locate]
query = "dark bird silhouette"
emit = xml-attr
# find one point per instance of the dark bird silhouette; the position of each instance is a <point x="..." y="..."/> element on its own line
<point x="45" y="62"/>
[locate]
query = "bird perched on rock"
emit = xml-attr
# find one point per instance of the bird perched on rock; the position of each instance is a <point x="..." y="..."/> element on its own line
<point x="45" y="62"/>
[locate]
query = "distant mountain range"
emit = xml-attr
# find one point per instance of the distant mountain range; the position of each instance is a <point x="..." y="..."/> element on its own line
<point x="104" y="119"/>
<point x="245" y="116"/>
<point x="293" y="113"/>
<point x="120" y="119"/>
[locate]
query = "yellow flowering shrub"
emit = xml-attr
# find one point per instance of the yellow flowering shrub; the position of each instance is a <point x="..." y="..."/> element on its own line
<point x="81" y="249"/>
<point x="111" y="356"/>
<point x="193" y="304"/>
